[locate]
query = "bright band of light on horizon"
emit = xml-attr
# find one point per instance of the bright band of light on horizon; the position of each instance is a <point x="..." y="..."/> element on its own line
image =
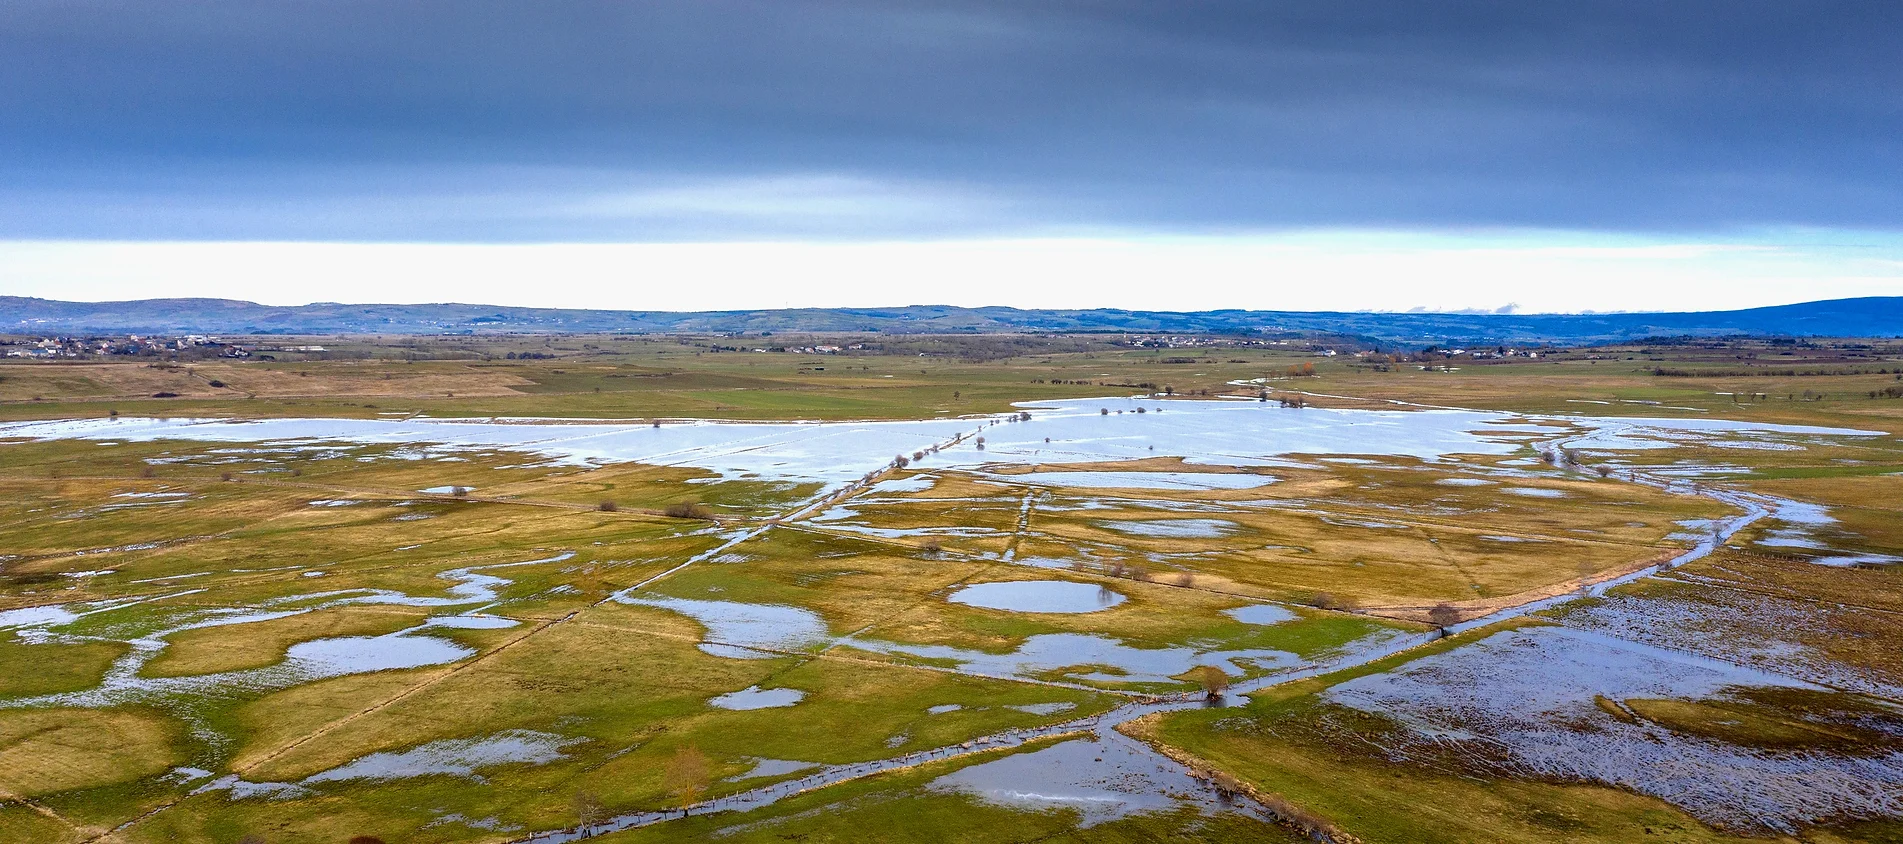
<point x="1312" y="271"/>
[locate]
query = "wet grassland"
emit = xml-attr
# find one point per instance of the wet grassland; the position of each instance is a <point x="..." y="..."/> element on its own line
<point x="470" y="633"/>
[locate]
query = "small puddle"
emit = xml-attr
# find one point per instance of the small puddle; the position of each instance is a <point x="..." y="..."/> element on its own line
<point x="1175" y="528"/>
<point x="1264" y="614"/>
<point x="763" y="767"/>
<point x="1534" y="492"/>
<point x="754" y="697"/>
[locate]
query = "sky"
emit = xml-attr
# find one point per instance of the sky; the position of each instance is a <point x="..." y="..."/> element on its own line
<point x="1350" y="154"/>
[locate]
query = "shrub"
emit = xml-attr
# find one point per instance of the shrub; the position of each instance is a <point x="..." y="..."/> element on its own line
<point x="1214" y="681"/>
<point x="688" y="510"/>
<point x="1330" y="601"/>
<point x="607" y="507"/>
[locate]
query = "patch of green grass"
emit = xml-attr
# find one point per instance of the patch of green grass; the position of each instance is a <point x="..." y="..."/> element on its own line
<point x="31" y="669"/>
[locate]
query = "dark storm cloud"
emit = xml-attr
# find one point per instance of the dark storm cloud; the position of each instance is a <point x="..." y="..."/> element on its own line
<point x="714" y="118"/>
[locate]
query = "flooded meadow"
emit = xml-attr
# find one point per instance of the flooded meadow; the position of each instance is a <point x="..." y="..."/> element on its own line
<point x="424" y="620"/>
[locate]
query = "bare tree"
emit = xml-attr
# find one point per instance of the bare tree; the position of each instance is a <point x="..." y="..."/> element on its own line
<point x="686" y="776"/>
<point x="589" y="809"/>
<point x="607" y="506"/>
<point x="931" y="548"/>
<point x="1443" y="616"/>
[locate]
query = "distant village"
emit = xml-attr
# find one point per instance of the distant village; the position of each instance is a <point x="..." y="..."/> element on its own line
<point x="206" y="347"/>
<point x="189" y="346"/>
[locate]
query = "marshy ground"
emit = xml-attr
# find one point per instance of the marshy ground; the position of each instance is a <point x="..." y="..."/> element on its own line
<point x="442" y="595"/>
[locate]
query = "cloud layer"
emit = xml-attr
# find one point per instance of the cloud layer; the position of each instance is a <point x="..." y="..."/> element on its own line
<point x="833" y="119"/>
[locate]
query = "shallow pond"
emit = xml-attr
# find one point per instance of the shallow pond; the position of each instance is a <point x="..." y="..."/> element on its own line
<point x="363" y="654"/>
<point x="1101" y="779"/>
<point x="1041" y="596"/>
<point x="1231" y="433"/>
<point x="453" y="757"/>
<point x="734" y="627"/>
<point x="1534" y="696"/>
<point x="1143" y="480"/>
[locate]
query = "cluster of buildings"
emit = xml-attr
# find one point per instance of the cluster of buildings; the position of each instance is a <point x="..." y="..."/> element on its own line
<point x="1485" y="354"/>
<point x="813" y="350"/>
<point x="1191" y="342"/>
<point x="131" y="344"/>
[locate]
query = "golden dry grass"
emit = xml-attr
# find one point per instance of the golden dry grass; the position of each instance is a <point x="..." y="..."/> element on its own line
<point x="48" y="751"/>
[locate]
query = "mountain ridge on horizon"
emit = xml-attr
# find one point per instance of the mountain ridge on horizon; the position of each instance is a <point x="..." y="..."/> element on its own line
<point x="1871" y="316"/>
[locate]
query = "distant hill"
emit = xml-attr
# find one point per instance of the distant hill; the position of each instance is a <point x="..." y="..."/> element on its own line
<point x="1866" y="317"/>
